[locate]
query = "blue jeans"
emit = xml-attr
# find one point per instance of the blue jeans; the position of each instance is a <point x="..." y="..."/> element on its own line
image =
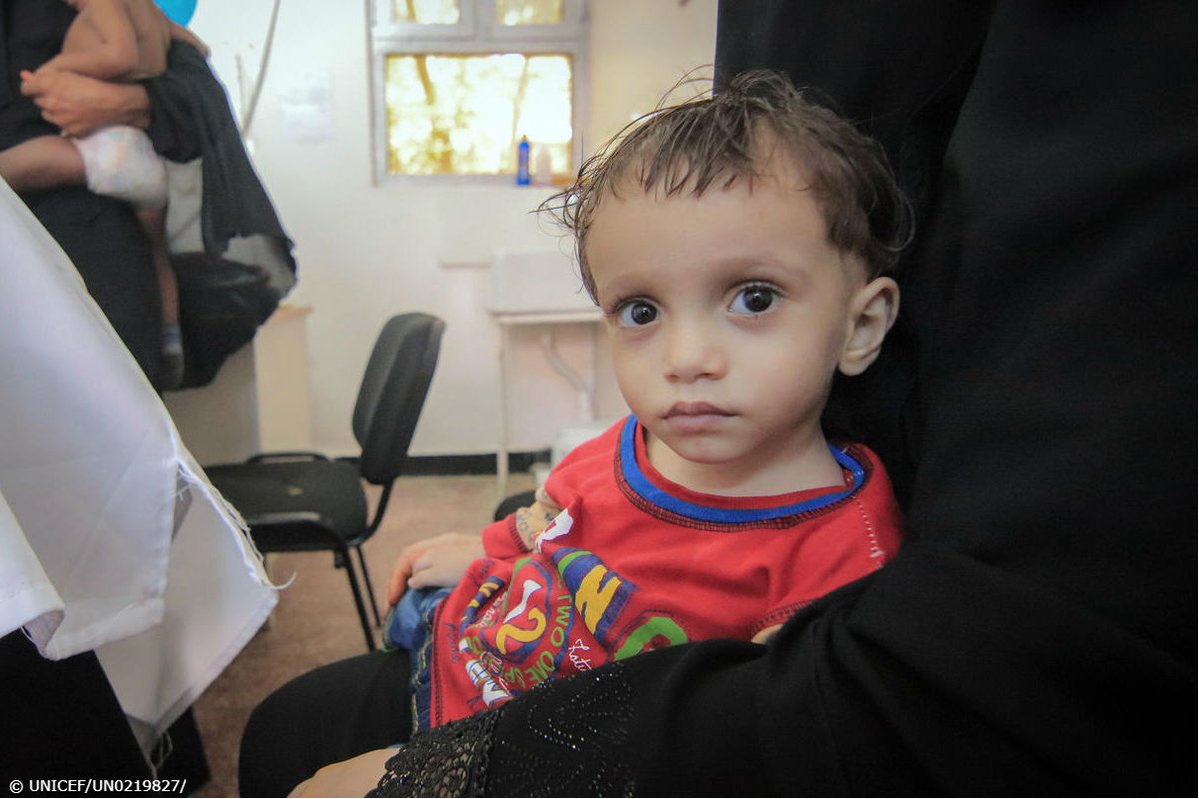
<point x="408" y="627"/>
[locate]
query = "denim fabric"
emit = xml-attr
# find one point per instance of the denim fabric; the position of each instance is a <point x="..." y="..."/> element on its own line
<point x="410" y="620"/>
<point x="408" y="627"/>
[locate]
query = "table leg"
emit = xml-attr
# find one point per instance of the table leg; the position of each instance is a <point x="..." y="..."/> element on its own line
<point x="501" y="450"/>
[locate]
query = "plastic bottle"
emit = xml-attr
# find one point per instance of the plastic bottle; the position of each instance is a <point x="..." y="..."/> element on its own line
<point x="522" y="162"/>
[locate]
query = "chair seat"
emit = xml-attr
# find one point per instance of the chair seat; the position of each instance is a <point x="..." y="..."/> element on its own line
<point x="296" y="505"/>
<point x="304" y="502"/>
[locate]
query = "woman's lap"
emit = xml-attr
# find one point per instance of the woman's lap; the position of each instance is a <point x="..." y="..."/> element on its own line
<point x="326" y="715"/>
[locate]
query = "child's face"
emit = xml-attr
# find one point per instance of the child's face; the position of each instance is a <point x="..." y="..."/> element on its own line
<point x="728" y="315"/>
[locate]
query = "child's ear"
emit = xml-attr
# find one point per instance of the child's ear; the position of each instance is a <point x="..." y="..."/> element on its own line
<point x="872" y="312"/>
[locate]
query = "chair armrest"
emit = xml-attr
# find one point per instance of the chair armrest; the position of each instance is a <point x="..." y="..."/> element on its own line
<point x="272" y="457"/>
<point x="280" y="518"/>
<point x="294" y="531"/>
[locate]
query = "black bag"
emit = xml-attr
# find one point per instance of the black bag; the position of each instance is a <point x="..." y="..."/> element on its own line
<point x="221" y="305"/>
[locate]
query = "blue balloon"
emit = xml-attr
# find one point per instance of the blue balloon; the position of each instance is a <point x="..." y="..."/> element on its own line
<point x="179" y="11"/>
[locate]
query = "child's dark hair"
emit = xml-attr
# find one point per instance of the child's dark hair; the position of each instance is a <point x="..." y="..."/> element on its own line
<point x="726" y="136"/>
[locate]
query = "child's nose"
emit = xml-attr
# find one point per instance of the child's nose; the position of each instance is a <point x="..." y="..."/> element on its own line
<point x="694" y="352"/>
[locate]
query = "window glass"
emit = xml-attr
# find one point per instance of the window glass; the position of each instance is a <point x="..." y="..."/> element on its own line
<point x="464" y="114"/>
<point x="529" y="12"/>
<point x="426" y="12"/>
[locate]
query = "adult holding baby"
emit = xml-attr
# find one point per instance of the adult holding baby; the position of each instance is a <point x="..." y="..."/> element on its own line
<point x="1035" y="633"/>
<point x="101" y="235"/>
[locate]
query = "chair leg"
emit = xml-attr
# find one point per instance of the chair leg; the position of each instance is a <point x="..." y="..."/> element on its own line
<point x="348" y="563"/>
<point x="370" y="590"/>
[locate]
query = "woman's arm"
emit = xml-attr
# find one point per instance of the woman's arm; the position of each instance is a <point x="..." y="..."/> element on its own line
<point x="1034" y="635"/>
<point x="79" y="105"/>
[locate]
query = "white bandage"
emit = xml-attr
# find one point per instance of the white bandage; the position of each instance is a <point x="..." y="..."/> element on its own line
<point x="120" y="162"/>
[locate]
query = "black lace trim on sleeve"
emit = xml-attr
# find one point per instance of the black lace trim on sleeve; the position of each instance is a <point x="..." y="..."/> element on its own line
<point x="565" y="738"/>
<point x="450" y="760"/>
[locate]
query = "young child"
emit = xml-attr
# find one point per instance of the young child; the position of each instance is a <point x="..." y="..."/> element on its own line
<point x="113" y="40"/>
<point x="737" y="246"/>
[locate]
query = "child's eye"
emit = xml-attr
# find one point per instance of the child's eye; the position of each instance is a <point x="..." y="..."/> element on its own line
<point x="753" y="300"/>
<point x="636" y="313"/>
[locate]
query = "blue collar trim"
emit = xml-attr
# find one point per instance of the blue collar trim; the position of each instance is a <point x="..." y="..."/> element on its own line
<point x="641" y="484"/>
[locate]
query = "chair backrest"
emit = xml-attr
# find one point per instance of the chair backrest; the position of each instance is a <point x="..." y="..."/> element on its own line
<point x="393" y="392"/>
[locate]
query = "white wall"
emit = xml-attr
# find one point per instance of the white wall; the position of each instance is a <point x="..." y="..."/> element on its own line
<point x="368" y="251"/>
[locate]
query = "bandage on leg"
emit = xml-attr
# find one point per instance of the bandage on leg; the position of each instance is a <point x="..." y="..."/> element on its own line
<point x="120" y="162"/>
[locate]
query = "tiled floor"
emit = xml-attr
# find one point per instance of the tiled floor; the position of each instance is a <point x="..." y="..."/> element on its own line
<point x="315" y="621"/>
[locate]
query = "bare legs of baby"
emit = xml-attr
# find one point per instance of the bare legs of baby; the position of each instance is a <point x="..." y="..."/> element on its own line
<point x="49" y="162"/>
<point x="154" y="223"/>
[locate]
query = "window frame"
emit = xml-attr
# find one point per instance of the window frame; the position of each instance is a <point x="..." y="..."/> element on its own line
<point x="476" y="32"/>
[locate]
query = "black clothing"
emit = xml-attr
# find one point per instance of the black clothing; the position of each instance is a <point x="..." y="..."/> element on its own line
<point x="99" y="234"/>
<point x="60" y="718"/>
<point x="190" y="106"/>
<point x="57" y="713"/>
<point x="245" y="268"/>
<point x="31" y="32"/>
<point x="1036" y="633"/>
<point x="297" y="730"/>
<point x="242" y="266"/>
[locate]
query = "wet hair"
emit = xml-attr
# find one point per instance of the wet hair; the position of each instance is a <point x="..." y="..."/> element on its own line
<point x="721" y="137"/>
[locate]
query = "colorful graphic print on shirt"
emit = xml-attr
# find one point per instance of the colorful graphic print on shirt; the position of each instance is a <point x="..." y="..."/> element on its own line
<point x="561" y="613"/>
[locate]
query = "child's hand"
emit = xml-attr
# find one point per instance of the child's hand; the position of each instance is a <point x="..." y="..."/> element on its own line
<point x="38" y="74"/>
<point x="765" y="635"/>
<point x="438" y="561"/>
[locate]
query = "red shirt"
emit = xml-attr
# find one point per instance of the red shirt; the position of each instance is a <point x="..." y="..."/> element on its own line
<point x="635" y="562"/>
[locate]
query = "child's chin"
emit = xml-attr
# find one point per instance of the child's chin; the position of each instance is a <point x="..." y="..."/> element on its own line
<point x="701" y="451"/>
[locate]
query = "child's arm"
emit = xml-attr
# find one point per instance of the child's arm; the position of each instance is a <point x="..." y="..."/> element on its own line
<point x="114" y="56"/>
<point x="438" y="561"/>
<point x="531" y="520"/>
<point x="443" y="560"/>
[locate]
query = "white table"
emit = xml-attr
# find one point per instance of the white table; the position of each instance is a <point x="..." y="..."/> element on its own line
<point x="584" y="384"/>
<point x="259" y="400"/>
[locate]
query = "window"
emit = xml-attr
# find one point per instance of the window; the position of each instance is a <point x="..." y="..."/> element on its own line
<point x="459" y="83"/>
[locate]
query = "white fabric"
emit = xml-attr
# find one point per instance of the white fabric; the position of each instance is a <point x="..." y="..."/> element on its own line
<point x="90" y="468"/>
<point x="119" y="161"/>
<point x="25" y="590"/>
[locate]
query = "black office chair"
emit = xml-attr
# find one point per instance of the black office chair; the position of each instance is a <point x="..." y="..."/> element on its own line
<point x="303" y="501"/>
<point x="512" y="504"/>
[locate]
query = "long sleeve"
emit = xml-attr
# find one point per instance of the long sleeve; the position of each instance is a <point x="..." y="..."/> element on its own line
<point x="1036" y="632"/>
<point x="500" y="540"/>
<point x="512" y="537"/>
<point x="171" y="129"/>
<point x="99" y="234"/>
<point x="236" y="264"/>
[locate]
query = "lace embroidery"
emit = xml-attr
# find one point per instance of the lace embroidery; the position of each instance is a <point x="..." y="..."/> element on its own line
<point x="564" y="738"/>
<point x="447" y="761"/>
